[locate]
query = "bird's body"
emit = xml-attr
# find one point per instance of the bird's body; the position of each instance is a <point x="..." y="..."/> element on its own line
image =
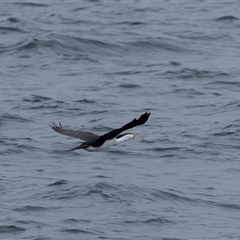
<point x="94" y="142"/>
<point x="105" y="145"/>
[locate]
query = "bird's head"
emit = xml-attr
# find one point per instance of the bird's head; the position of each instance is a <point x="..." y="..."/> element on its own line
<point x="126" y="136"/>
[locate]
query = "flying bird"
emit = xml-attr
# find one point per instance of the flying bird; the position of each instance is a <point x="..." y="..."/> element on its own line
<point x="95" y="142"/>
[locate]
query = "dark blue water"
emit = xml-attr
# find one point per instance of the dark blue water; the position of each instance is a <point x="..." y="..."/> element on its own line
<point x="95" y="65"/>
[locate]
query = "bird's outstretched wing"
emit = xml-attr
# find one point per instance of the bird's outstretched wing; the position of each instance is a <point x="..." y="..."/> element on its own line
<point x="112" y="134"/>
<point x="85" y="136"/>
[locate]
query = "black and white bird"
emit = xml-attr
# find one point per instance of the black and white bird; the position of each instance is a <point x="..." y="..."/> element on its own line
<point x="94" y="142"/>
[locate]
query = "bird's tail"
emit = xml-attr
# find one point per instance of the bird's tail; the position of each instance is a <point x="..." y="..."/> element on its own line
<point x="78" y="147"/>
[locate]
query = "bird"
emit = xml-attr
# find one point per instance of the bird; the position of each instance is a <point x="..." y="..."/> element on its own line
<point x="93" y="142"/>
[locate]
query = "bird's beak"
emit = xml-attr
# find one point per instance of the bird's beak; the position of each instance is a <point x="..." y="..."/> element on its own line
<point x="136" y="136"/>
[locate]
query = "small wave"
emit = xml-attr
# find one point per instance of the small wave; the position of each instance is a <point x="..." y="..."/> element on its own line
<point x="31" y="222"/>
<point x="186" y="73"/>
<point x="99" y="188"/>
<point x="123" y="73"/>
<point x="46" y="238"/>
<point x="6" y="117"/>
<point x="22" y="45"/>
<point x="223" y="133"/>
<point x="74" y="220"/>
<point x="131" y="23"/>
<point x="103" y="185"/>
<point x="78" y="9"/>
<point x="228" y="126"/>
<point x="130" y="85"/>
<point x="13" y="20"/>
<point x="116" y="193"/>
<point x="60" y="190"/>
<point x="12" y="29"/>
<point x="232" y="104"/>
<point x="153" y="45"/>
<point x="30" y="4"/>
<point x="157" y="220"/>
<point x="36" y="98"/>
<point x="76" y="230"/>
<point x="190" y="92"/>
<point x="218" y="82"/>
<point x="76" y="46"/>
<point x="233" y="125"/>
<point x="230" y="129"/>
<point x="169" y="195"/>
<point x="101" y="176"/>
<point x="10" y="229"/>
<point x="58" y="183"/>
<point x="226" y="18"/>
<point x="39" y="102"/>
<point x="173" y="63"/>
<point x="161" y="149"/>
<point x="30" y="209"/>
<point x="85" y="101"/>
<point x="227" y="206"/>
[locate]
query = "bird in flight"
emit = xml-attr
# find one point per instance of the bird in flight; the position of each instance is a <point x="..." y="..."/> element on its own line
<point x="95" y="142"/>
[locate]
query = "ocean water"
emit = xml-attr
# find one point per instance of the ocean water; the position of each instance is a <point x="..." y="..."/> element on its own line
<point x="96" y="65"/>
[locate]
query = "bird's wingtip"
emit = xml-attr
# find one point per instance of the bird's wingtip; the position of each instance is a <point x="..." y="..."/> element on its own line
<point x="53" y="125"/>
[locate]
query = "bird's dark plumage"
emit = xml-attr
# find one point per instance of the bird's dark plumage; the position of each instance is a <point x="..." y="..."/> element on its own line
<point x="110" y="135"/>
<point x="95" y="141"/>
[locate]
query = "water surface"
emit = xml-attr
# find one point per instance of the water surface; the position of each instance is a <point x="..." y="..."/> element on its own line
<point x="96" y="65"/>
